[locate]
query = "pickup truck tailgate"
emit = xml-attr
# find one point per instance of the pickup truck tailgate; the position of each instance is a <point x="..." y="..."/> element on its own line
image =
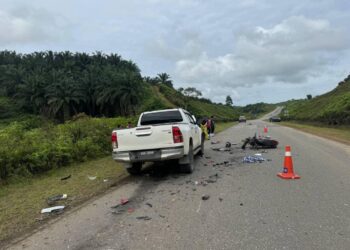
<point x="145" y="137"/>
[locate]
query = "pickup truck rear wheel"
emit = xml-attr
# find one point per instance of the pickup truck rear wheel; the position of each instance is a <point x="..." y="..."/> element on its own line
<point x="189" y="167"/>
<point x="201" y="151"/>
<point x="135" y="168"/>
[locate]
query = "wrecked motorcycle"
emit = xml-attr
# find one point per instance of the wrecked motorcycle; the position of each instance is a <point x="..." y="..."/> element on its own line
<point x="255" y="142"/>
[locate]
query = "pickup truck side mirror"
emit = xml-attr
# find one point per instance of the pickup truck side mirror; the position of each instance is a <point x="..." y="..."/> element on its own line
<point x="194" y="118"/>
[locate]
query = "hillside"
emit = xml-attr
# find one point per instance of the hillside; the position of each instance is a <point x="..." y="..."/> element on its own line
<point x="332" y="108"/>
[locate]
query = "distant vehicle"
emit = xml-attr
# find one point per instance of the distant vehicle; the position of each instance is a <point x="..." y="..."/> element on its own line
<point x="275" y="119"/>
<point x="159" y="136"/>
<point x="242" y="119"/>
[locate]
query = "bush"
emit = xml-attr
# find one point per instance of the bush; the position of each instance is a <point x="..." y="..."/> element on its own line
<point x="26" y="151"/>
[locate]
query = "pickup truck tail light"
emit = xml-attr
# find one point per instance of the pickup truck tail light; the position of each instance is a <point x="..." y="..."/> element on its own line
<point x="177" y="135"/>
<point x="114" y="139"/>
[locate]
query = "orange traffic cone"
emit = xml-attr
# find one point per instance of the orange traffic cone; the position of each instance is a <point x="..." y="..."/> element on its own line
<point x="288" y="172"/>
<point x="266" y="130"/>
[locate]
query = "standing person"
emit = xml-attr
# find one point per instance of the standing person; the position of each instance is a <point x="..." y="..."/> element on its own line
<point x="212" y="127"/>
<point x="129" y="125"/>
<point x="209" y="122"/>
<point x="204" y="128"/>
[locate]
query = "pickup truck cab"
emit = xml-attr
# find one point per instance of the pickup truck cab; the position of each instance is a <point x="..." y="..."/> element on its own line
<point x="161" y="135"/>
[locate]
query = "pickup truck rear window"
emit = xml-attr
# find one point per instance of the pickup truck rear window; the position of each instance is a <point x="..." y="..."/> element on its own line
<point x="161" y="117"/>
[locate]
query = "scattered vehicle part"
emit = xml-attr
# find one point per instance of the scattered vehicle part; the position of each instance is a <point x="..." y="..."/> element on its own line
<point x="214" y="142"/>
<point x="149" y="204"/>
<point x="228" y="144"/>
<point x="52" y="209"/>
<point x="205" y="197"/>
<point x="123" y="201"/>
<point x="144" y="218"/>
<point x="92" y="178"/>
<point x="51" y="200"/>
<point x="66" y="177"/>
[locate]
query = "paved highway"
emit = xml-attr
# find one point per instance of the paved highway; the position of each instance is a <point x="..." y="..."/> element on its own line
<point x="249" y="206"/>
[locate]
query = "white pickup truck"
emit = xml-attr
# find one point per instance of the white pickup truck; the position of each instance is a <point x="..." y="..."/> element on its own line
<point x="159" y="136"/>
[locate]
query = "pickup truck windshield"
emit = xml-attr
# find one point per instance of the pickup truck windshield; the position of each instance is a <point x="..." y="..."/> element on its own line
<point x="161" y="117"/>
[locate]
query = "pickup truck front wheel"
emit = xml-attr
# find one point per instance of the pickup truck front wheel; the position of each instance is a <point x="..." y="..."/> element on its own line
<point x="135" y="168"/>
<point x="189" y="167"/>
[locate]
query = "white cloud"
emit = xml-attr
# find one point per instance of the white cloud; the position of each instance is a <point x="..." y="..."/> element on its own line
<point x="24" y="25"/>
<point x="288" y="52"/>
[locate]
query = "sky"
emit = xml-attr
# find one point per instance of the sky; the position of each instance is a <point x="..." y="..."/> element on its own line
<point x="252" y="50"/>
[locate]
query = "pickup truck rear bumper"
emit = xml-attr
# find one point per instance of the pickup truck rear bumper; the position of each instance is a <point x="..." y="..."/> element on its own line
<point x="149" y="155"/>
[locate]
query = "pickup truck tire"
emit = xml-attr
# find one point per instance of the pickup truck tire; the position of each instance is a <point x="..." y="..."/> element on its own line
<point x="189" y="167"/>
<point x="135" y="168"/>
<point x="201" y="151"/>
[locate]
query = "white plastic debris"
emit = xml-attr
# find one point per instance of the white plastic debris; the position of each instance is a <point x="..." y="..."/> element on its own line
<point x="52" y="209"/>
<point x="91" y="178"/>
<point x="258" y="154"/>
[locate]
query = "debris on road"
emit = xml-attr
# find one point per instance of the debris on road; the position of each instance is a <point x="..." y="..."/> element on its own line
<point x="220" y="199"/>
<point x="241" y="204"/>
<point x="144" y="218"/>
<point x="205" y="197"/>
<point x="228" y="144"/>
<point x="51" y="200"/>
<point x="215" y="142"/>
<point x="52" y="209"/>
<point x="123" y="201"/>
<point x="253" y="159"/>
<point x="130" y="210"/>
<point x="149" y="204"/>
<point x="66" y="177"/>
<point x="92" y="178"/>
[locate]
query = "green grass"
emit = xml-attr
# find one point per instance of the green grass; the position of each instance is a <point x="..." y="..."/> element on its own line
<point x="22" y="199"/>
<point x="221" y="126"/>
<point x="340" y="134"/>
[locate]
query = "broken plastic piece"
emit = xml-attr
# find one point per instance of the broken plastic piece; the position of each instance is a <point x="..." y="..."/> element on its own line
<point x="52" y="209"/>
<point x="123" y="201"/>
<point x="91" y="178"/>
<point x="144" y="218"/>
<point x="66" y="177"/>
<point x="55" y="198"/>
<point x="205" y="197"/>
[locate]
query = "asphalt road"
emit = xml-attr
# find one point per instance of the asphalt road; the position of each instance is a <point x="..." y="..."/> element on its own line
<point x="249" y="206"/>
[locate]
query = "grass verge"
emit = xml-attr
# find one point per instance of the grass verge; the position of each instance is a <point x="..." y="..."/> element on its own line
<point x="221" y="126"/>
<point x="340" y="134"/>
<point x="22" y="199"/>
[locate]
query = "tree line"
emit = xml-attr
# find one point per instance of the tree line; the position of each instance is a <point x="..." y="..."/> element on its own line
<point x="61" y="84"/>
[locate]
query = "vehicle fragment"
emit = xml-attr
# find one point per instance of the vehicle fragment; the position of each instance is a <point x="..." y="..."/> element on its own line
<point x="51" y="200"/>
<point x="52" y="209"/>
<point x="144" y="218"/>
<point x="91" y="178"/>
<point x="149" y="204"/>
<point x="205" y="197"/>
<point x="123" y="201"/>
<point x="66" y="177"/>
